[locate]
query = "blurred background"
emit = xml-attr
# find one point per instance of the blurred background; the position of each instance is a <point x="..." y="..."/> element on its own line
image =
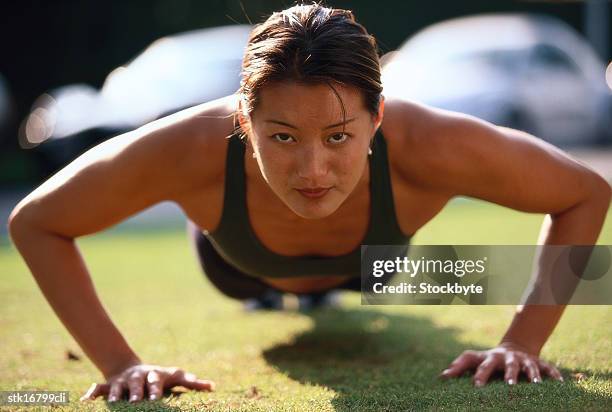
<point x="75" y="73"/>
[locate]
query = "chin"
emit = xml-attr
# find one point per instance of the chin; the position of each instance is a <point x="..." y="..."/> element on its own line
<point x="313" y="209"/>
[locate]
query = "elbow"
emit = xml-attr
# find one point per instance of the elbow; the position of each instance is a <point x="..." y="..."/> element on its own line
<point x="14" y="222"/>
<point x="18" y="221"/>
<point x="598" y="196"/>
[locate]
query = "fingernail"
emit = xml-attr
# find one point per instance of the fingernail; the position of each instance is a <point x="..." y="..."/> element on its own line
<point x="112" y="399"/>
<point x="511" y="382"/>
<point x="153" y="397"/>
<point x="133" y="398"/>
<point x="561" y="378"/>
<point x="478" y="383"/>
<point x="536" y="380"/>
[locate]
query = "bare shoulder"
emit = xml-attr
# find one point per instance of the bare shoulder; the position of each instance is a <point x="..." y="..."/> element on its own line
<point x="192" y="143"/>
<point x="459" y="155"/>
<point x="175" y="158"/>
<point x="429" y="145"/>
<point x="418" y="143"/>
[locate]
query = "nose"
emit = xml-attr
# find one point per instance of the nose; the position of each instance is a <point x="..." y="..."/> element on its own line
<point x="313" y="164"/>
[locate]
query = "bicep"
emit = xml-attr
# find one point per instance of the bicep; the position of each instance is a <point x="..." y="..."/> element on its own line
<point x="105" y="185"/>
<point x="506" y="166"/>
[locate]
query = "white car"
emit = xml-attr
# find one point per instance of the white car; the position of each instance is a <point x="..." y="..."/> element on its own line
<point x="529" y="72"/>
<point x="174" y="72"/>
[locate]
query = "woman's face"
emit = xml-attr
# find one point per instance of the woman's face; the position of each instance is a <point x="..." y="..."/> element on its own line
<point x="309" y="157"/>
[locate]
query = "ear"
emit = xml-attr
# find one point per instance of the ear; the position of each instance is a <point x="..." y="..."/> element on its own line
<point x="381" y="109"/>
<point x="244" y="119"/>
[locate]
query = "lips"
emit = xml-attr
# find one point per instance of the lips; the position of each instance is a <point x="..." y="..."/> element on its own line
<point x="314" y="192"/>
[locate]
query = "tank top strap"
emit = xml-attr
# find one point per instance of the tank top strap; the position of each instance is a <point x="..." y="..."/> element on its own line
<point x="384" y="228"/>
<point x="234" y="215"/>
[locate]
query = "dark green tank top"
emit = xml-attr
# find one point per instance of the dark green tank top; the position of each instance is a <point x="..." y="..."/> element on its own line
<point x="236" y="242"/>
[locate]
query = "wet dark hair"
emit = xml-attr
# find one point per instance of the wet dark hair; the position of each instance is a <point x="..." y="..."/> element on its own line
<point x="311" y="44"/>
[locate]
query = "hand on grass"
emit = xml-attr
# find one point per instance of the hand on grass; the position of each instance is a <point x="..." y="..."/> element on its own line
<point x="506" y="357"/>
<point x="138" y="380"/>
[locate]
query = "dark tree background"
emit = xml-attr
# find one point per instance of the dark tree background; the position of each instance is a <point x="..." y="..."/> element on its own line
<point x="47" y="44"/>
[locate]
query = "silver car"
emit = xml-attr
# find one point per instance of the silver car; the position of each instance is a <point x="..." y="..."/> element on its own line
<point x="529" y="72"/>
<point x="174" y="72"/>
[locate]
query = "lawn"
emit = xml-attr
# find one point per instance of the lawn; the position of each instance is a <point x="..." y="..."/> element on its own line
<point x="354" y="358"/>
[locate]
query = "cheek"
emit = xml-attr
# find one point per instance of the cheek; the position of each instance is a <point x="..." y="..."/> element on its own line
<point x="275" y="167"/>
<point x="349" y="166"/>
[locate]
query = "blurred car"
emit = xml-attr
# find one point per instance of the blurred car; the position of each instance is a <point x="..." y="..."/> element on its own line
<point x="173" y="73"/>
<point x="529" y="72"/>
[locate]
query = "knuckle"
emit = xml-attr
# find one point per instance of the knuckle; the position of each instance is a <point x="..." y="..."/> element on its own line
<point x="528" y="362"/>
<point x="489" y="360"/>
<point x="134" y="376"/>
<point x="496" y="357"/>
<point x="190" y="376"/>
<point x="545" y="365"/>
<point x="481" y="369"/>
<point x="511" y="362"/>
<point x="153" y="377"/>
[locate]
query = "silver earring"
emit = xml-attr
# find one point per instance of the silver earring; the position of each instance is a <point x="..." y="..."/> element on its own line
<point x="370" y="151"/>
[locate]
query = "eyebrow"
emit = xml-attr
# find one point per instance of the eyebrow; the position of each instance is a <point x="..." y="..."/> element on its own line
<point x="325" y="128"/>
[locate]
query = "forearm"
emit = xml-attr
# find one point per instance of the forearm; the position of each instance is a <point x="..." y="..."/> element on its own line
<point x="533" y="324"/>
<point x="62" y="276"/>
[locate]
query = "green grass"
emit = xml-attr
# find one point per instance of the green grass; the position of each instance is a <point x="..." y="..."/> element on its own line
<point x="357" y="358"/>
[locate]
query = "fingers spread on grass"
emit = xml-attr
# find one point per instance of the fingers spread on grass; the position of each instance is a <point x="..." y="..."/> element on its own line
<point x="155" y="385"/>
<point x="530" y="367"/>
<point x="95" y="390"/>
<point x="135" y="384"/>
<point x="116" y="390"/>
<point x="550" y="370"/>
<point x="513" y="368"/>
<point x="468" y="360"/>
<point x="190" y="381"/>
<point x="486" y="368"/>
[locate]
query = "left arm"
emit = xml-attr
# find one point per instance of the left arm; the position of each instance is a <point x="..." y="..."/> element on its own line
<point x="580" y="225"/>
<point x="461" y="155"/>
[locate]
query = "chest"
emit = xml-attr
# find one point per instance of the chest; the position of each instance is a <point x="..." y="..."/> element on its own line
<point x="281" y="233"/>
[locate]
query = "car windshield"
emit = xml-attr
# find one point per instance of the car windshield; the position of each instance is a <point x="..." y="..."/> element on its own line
<point x="540" y="56"/>
<point x="510" y="59"/>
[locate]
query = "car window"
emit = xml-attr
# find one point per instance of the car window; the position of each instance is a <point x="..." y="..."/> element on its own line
<point x="544" y="56"/>
<point x="510" y="60"/>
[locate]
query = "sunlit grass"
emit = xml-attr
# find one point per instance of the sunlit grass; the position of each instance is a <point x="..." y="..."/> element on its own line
<point x="357" y="358"/>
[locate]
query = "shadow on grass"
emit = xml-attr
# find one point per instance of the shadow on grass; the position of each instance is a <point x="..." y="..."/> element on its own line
<point x="380" y="361"/>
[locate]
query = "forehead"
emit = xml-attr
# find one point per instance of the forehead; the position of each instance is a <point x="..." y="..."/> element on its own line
<point x="309" y="103"/>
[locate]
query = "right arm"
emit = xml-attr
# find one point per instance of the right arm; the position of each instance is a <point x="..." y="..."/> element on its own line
<point x="102" y="187"/>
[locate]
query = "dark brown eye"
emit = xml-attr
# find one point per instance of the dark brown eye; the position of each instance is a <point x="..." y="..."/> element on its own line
<point x="282" y="138"/>
<point x="338" y="138"/>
